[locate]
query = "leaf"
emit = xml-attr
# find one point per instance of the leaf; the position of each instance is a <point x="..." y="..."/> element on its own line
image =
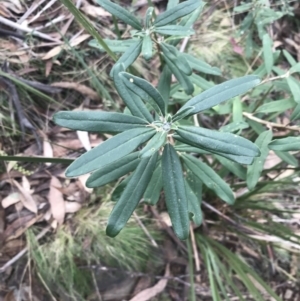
<point x="222" y="92"/>
<point x="268" y="52"/>
<point x="294" y="87"/>
<point x="182" y="78"/>
<point x="218" y="142"/>
<point x="174" y="30"/>
<point x="295" y="68"/>
<point x="129" y="56"/>
<point x="209" y="178"/>
<point x="194" y="202"/>
<point x="234" y="127"/>
<point x="117" y="193"/>
<point x="147" y="47"/>
<point x="177" y="12"/>
<point x="175" y="194"/>
<point x="154" y="144"/>
<point x="84" y="139"/>
<point x="131" y="196"/>
<point x="114" y="45"/>
<point x="201" y="66"/>
<point x="285" y="144"/>
<point x="152" y="193"/>
<point x="278" y="106"/>
<point x="149" y="16"/>
<point x="254" y="170"/>
<point x="296" y="113"/>
<point x="288" y="158"/>
<point x="132" y="101"/>
<point x="113" y="171"/>
<point x="98" y="121"/>
<point x="109" y="151"/>
<point x="289" y="58"/>
<point x="56" y="200"/>
<point x="26" y="198"/>
<point x="182" y="114"/>
<point x="233" y="167"/>
<point x="120" y="13"/>
<point x="145" y="90"/>
<point x="164" y="84"/>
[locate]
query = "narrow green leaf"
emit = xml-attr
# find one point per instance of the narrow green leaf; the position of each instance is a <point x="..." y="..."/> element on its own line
<point x="294" y="87"/>
<point x="175" y="194"/>
<point x="148" y="17"/>
<point x="114" y="45"/>
<point x="201" y="66"/>
<point x="177" y="12"/>
<point x="237" y="110"/>
<point x="218" y="142"/>
<point x="147" y="47"/>
<point x="289" y="58"/>
<point x="129" y="56"/>
<point x="194" y="205"/>
<point x="233" y="167"/>
<point x="285" y="144"/>
<point x="98" y="121"/>
<point x="113" y="171"/>
<point x="209" y="178"/>
<point x="152" y="193"/>
<point x="109" y="151"/>
<point x="295" y="68"/>
<point x="278" y="106"/>
<point x="145" y="90"/>
<point x="268" y="52"/>
<point x="174" y="30"/>
<point x="118" y="191"/>
<point x="287" y="157"/>
<point x="120" y="13"/>
<point x="154" y="144"/>
<point x="222" y="92"/>
<point x="172" y="3"/>
<point x="80" y="18"/>
<point x="182" y="114"/>
<point x="254" y="170"/>
<point x="132" y="101"/>
<point x="234" y="127"/>
<point x="164" y="84"/>
<point x="201" y="82"/>
<point x="131" y="196"/>
<point x="182" y="78"/>
<point x="296" y="113"/>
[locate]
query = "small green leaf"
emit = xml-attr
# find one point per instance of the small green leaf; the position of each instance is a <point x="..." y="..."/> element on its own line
<point x="296" y="113"/>
<point x="154" y="144"/>
<point x="194" y="203"/>
<point x="175" y="194"/>
<point x="278" y="106"/>
<point x="114" y="45"/>
<point x="295" y="68"/>
<point x="254" y="170"/>
<point x="294" y="87"/>
<point x="174" y="30"/>
<point x="129" y="56"/>
<point x="132" y="101"/>
<point x="289" y="58"/>
<point x="209" y="178"/>
<point x="201" y="66"/>
<point x="109" y="151"/>
<point x="182" y="114"/>
<point x="234" y="127"/>
<point x="131" y="195"/>
<point x="147" y="47"/>
<point x="148" y="17"/>
<point x="287" y="157"/>
<point x="268" y="52"/>
<point x="218" y="142"/>
<point x="182" y="78"/>
<point x="120" y="13"/>
<point x="145" y="90"/>
<point x="118" y="191"/>
<point x="222" y="92"/>
<point x="152" y="193"/>
<point x="164" y="84"/>
<point x="177" y="12"/>
<point x="285" y="144"/>
<point x="113" y="171"/>
<point x="233" y="167"/>
<point x="98" y="121"/>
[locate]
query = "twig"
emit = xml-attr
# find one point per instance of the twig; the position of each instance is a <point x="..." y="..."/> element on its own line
<point x="285" y="75"/>
<point x="33" y="7"/>
<point x="96" y="287"/>
<point x="11" y="33"/>
<point x="48" y="5"/>
<point x="145" y="230"/>
<point x="23" y="252"/>
<point x="27" y="29"/>
<point x="196" y="254"/>
<point x="271" y="124"/>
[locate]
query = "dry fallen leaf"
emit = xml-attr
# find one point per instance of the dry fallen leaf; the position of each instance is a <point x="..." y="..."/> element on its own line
<point x="94" y="11"/>
<point x="83" y="179"/>
<point x="78" y="40"/>
<point x="11" y="199"/>
<point x="72" y="207"/>
<point x="27" y="198"/>
<point x="56" y="200"/>
<point x="48" y="151"/>
<point x="151" y="292"/>
<point x="84" y="139"/>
